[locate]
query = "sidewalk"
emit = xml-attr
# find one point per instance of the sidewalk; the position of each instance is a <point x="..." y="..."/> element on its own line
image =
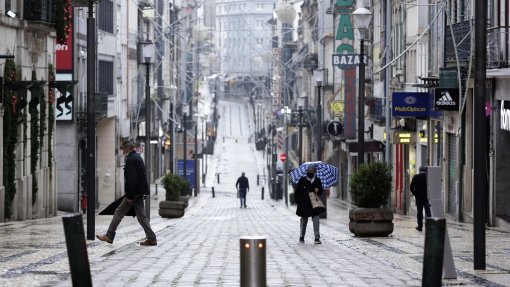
<point x="202" y="248"/>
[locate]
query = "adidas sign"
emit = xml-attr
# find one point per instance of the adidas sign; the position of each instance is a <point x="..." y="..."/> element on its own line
<point x="446" y="100"/>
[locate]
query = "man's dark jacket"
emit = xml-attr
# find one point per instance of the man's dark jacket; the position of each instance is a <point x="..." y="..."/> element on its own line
<point x="304" y="205"/>
<point x="419" y="186"/>
<point x="242" y="183"/>
<point x="136" y="183"/>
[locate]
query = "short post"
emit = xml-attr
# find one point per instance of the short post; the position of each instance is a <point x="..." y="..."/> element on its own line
<point x="203" y="179"/>
<point x="434" y="250"/>
<point x="258" y="179"/>
<point x="253" y="261"/>
<point x="156" y="188"/>
<point x="218" y="176"/>
<point x="262" y="195"/>
<point x="212" y="188"/>
<point x="77" y="250"/>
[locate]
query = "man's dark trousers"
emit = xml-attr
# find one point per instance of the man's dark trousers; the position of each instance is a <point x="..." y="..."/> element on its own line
<point x="242" y="196"/>
<point x="420" y="205"/>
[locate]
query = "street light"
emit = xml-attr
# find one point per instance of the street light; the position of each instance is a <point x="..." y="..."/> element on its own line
<point x="147" y="52"/>
<point x="301" y="103"/>
<point x="185" y="109"/>
<point x="318" y="76"/>
<point x="362" y="17"/>
<point x="286" y="15"/>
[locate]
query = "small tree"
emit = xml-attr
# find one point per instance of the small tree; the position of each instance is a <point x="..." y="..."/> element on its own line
<point x="371" y="185"/>
<point x="174" y="186"/>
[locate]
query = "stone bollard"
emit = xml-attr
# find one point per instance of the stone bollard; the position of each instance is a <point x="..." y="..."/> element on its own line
<point x="434" y="250"/>
<point x="77" y="250"/>
<point x="253" y="261"/>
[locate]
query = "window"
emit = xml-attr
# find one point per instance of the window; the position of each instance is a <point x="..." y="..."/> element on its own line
<point x="105" y="15"/>
<point x="105" y="77"/>
<point x="260" y="41"/>
<point x="260" y="23"/>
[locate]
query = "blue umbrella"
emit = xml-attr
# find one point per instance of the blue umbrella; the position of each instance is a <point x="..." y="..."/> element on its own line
<point x="327" y="173"/>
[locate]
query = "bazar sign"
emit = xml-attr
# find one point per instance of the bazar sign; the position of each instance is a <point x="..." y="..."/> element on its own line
<point x="413" y="104"/>
<point x="505" y="116"/>
<point x="347" y="60"/>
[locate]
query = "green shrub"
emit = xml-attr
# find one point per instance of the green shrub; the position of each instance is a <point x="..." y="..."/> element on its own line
<point x="371" y="185"/>
<point x="174" y="186"/>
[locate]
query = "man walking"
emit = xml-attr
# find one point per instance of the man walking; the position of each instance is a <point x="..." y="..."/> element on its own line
<point x="419" y="190"/>
<point x="242" y="186"/>
<point x="135" y="187"/>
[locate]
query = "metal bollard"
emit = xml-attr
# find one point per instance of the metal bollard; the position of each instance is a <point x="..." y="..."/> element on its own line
<point x="262" y="195"/>
<point x="77" y="250"/>
<point x="218" y="176"/>
<point x="434" y="251"/>
<point x="253" y="261"/>
<point x="156" y="188"/>
<point x="258" y="179"/>
<point x="203" y="179"/>
<point x="212" y="188"/>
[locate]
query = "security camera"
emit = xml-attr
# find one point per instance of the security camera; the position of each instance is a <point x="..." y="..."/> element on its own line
<point x="11" y="14"/>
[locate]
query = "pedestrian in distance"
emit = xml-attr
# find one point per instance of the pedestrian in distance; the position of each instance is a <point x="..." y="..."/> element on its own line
<point x="242" y="186"/>
<point x="308" y="183"/>
<point x="136" y="187"/>
<point x="419" y="190"/>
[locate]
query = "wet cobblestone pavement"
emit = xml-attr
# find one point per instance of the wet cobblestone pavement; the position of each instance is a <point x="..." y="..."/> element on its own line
<point x="202" y="248"/>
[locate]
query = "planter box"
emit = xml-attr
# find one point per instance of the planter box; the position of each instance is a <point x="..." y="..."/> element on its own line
<point x="171" y="209"/>
<point x="371" y="221"/>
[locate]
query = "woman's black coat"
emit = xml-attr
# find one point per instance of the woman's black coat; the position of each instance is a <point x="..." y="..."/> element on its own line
<point x="304" y="206"/>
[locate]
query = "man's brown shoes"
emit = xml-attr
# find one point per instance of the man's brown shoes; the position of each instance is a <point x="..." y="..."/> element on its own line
<point x="149" y="242"/>
<point x="104" y="238"/>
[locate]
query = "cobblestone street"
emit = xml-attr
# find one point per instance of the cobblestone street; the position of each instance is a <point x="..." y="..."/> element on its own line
<point x="202" y="248"/>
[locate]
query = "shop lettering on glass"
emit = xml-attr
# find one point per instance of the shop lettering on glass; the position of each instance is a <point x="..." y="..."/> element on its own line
<point x="505" y="115"/>
<point x="345" y="36"/>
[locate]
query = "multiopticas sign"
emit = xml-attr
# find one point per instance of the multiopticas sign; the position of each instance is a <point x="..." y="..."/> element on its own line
<point x="505" y="116"/>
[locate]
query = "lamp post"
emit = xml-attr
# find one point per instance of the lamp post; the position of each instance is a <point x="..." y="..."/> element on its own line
<point x="318" y="76"/>
<point x="286" y="15"/>
<point x="91" y="122"/>
<point x="301" y="104"/>
<point x="147" y="50"/>
<point x="286" y="111"/>
<point x="185" y="109"/>
<point x="362" y="17"/>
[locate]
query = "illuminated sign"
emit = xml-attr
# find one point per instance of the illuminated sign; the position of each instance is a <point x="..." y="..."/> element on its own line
<point x="403" y="137"/>
<point x="424" y="139"/>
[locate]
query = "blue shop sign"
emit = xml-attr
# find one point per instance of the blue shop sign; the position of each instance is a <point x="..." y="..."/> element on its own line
<point x="413" y="105"/>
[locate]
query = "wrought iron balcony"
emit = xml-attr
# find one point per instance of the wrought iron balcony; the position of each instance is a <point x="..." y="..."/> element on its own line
<point x="39" y="10"/>
<point x="462" y="36"/>
<point x="497" y="47"/>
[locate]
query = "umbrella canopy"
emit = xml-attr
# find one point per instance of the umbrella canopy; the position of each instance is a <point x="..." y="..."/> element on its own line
<point x="110" y="209"/>
<point x="327" y="173"/>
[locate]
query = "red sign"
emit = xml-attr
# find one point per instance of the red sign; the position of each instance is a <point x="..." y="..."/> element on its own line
<point x="283" y="157"/>
<point x="64" y="57"/>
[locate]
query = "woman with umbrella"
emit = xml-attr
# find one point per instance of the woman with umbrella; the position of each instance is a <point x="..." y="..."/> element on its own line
<point x="308" y="183"/>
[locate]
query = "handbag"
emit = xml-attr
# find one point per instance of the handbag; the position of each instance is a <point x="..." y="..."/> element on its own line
<point x="317" y="204"/>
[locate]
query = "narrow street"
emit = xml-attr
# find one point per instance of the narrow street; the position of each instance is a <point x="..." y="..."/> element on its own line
<point x="202" y="248"/>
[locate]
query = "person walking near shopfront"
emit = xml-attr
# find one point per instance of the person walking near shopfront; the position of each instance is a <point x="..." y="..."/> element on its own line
<point x="419" y="190"/>
<point x="135" y="187"/>
<point x="242" y="186"/>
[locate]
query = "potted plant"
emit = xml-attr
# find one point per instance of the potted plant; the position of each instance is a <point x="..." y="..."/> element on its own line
<point x="173" y="206"/>
<point x="370" y="187"/>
